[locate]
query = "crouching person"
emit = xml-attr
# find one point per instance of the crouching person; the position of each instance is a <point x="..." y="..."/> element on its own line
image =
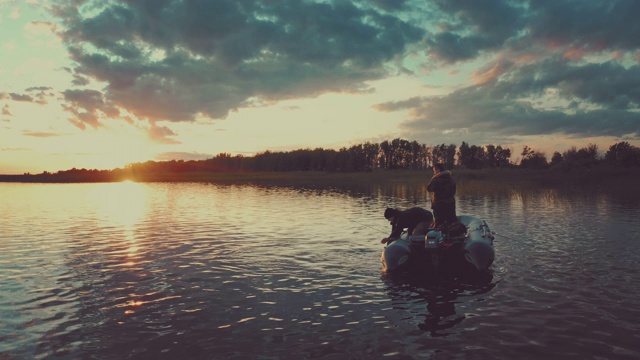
<point x="416" y="220"/>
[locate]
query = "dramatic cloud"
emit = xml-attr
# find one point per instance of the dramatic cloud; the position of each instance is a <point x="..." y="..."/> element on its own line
<point x="469" y="27"/>
<point x="173" y="60"/>
<point x="161" y="134"/>
<point x="564" y="67"/>
<point x="537" y="99"/>
<point x="541" y="67"/>
<point x="593" y="25"/>
<point x="88" y="106"/>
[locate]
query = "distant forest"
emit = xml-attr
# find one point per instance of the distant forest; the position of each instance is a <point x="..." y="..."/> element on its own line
<point x="387" y="155"/>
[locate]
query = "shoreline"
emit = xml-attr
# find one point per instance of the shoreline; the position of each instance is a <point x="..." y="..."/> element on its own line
<point x="599" y="178"/>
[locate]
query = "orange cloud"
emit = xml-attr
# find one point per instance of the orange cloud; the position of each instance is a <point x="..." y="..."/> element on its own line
<point x="490" y="72"/>
<point x="575" y="53"/>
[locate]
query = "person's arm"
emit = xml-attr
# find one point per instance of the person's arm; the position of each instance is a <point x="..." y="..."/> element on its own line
<point x="396" y="231"/>
<point x="433" y="184"/>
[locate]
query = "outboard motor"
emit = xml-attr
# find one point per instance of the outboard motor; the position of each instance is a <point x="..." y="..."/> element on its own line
<point x="433" y="239"/>
<point x="432" y="243"/>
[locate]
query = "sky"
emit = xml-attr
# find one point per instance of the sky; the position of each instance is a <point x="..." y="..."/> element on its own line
<point x="100" y="84"/>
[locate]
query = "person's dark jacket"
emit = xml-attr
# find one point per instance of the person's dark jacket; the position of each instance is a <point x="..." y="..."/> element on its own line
<point x="408" y="219"/>
<point x="442" y="188"/>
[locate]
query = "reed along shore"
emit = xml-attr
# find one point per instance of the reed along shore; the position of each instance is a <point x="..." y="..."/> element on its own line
<point x="598" y="178"/>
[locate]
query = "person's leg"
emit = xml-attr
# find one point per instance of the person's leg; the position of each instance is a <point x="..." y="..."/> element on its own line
<point x="429" y="220"/>
<point x="449" y="213"/>
<point x="437" y="216"/>
<point x="421" y="228"/>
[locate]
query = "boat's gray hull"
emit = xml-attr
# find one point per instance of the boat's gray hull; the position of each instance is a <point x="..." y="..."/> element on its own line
<point x="476" y="252"/>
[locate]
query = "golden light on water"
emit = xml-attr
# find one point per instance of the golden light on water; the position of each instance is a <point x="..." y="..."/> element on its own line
<point x="123" y="204"/>
<point x="131" y="252"/>
<point x="122" y="207"/>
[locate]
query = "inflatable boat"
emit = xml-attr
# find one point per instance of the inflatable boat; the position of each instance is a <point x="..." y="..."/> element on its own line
<point x="469" y="247"/>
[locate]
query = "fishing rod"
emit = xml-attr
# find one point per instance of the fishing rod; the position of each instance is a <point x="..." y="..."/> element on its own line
<point x="496" y="234"/>
<point x="504" y="236"/>
<point x="370" y="227"/>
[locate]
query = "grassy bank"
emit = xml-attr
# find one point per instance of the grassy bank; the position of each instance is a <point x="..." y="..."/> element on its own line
<point x="601" y="178"/>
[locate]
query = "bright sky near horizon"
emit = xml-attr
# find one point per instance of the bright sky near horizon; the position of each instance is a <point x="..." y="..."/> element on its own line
<point x="100" y="84"/>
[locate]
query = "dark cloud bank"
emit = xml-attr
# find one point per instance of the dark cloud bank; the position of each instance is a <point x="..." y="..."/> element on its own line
<point x="165" y="60"/>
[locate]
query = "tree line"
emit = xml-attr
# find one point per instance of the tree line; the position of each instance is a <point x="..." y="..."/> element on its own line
<point x="399" y="154"/>
<point x="387" y="155"/>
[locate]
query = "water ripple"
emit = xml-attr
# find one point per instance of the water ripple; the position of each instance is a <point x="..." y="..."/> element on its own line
<point x="189" y="270"/>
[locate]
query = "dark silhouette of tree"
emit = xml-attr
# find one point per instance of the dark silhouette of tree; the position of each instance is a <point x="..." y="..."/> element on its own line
<point x="477" y="157"/>
<point x="623" y="154"/>
<point x="496" y="156"/>
<point x="584" y="157"/>
<point x="532" y="159"/>
<point x="387" y="155"/>
<point x="450" y="158"/>
<point x="472" y="157"/>
<point x="464" y="154"/>
<point x="397" y="154"/>
<point x="371" y="154"/>
<point x="556" y="159"/>
<point x="416" y="157"/>
<point x="445" y="154"/>
<point x="491" y="156"/>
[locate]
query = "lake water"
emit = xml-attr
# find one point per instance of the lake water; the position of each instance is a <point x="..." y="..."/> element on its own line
<point x="203" y="271"/>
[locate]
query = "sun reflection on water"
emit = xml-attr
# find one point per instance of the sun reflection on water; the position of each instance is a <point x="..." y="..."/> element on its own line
<point x="122" y="204"/>
<point x="123" y="207"/>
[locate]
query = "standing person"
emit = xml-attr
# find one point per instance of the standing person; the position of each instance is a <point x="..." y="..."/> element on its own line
<point x="416" y="220"/>
<point x="443" y="189"/>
